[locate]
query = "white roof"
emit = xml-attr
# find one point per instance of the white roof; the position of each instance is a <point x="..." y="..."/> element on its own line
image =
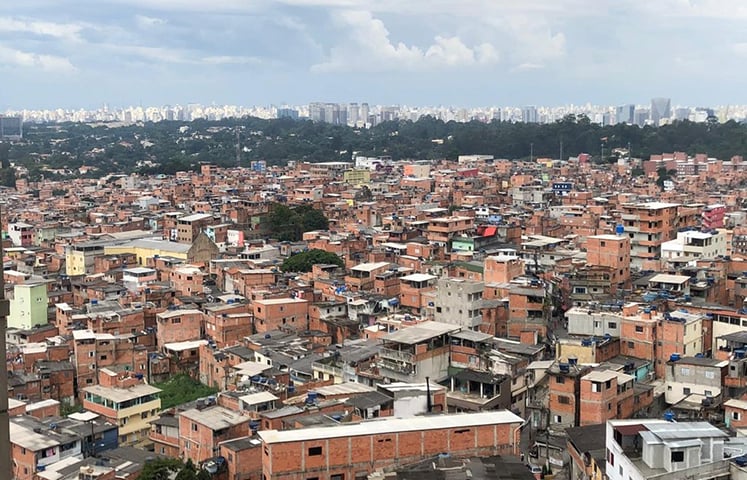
<point x="279" y="301"/>
<point x="370" y="267"/>
<point x="251" y="368"/>
<point x="257" y="398"/>
<point x="605" y="375"/>
<point x="667" y="278"/>
<point x="418" y="277"/>
<point x="27" y="438"/>
<point x="195" y="217"/>
<point x="122" y="394"/>
<point x="181" y="346"/>
<point x="391" y="425"/>
<point x="41" y="404"/>
<point x="178" y="313"/>
<point x="736" y="403"/>
<point x="84" y="416"/>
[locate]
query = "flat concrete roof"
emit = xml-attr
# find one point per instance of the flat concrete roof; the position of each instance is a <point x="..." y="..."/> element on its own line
<point x="391" y="425"/>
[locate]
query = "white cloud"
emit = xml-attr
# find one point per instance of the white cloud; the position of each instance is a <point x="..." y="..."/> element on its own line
<point x="369" y="48"/>
<point x="48" y="63"/>
<point x="66" y="31"/>
<point x="230" y="60"/>
<point x="144" y="21"/>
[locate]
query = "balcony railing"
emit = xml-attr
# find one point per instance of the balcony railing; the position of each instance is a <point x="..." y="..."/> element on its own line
<point x="396" y="355"/>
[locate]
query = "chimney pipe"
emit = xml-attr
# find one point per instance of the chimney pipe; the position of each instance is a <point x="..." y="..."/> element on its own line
<point x="429" y="404"/>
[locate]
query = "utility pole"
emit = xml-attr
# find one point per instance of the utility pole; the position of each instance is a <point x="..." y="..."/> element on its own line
<point x="5" y="463"/>
<point x="531" y="152"/>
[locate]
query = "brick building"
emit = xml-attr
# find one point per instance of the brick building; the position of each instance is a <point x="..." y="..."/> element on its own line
<point x="354" y="450"/>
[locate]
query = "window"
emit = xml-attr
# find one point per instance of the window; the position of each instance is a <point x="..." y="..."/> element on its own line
<point x="339" y="476"/>
<point x="562" y="399"/>
<point x="685" y="371"/>
<point x="314" y="451"/>
<point x="686" y="391"/>
<point x="559" y="379"/>
<point x="678" y="456"/>
<point x="596" y="387"/>
<point x="558" y="419"/>
<point x="709" y="374"/>
<point x="708" y="393"/>
<point x="611" y="458"/>
<point x="611" y="325"/>
<point x="144" y="415"/>
<point x="735" y="415"/>
<point x="638" y="329"/>
<point x="194" y="427"/>
<point x="176" y="320"/>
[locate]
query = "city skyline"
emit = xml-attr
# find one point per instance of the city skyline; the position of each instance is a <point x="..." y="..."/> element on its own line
<point x="134" y="52"/>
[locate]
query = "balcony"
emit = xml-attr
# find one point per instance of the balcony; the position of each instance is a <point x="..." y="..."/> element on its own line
<point x="396" y="355"/>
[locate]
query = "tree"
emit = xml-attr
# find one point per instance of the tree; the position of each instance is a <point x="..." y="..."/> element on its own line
<point x="304" y="261"/>
<point x="289" y="224"/>
<point x="160" y="469"/>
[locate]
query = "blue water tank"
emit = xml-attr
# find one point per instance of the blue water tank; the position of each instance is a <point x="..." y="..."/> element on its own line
<point x="674" y="357"/>
<point x="620" y="229"/>
<point x="311" y="397"/>
<point x="669" y="416"/>
<point x="739" y="353"/>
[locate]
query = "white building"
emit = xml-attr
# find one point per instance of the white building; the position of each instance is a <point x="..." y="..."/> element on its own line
<point x="694" y="245"/>
<point x="657" y="449"/>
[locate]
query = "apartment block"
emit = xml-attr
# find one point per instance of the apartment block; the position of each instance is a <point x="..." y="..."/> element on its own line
<point x="644" y="449"/>
<point x="649" y="225"/>
<point x="459" y="302"/>
<point x="605" y="394"/>
<point x="276" y="313"/>
<point x="127" y="403"/>
<point x="417" y="352"/>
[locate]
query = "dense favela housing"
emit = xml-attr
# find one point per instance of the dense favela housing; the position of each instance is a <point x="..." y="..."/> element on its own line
<point x="380" y="319"/>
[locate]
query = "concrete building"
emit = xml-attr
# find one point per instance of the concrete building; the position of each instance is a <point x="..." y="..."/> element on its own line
<point x="28" y="307"/>
<point x="21" y="234"/>
<point x="690" y="246"/>
<point x="414" y="353"/>
<point x="130" y="407"/>
<point x="459" y="302"/>
<point x="649" y="225"/>
<point x="356" y="450"/>
<point x="645" y="449"/>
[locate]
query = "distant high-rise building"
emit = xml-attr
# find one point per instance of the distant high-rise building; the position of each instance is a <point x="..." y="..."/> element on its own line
<point x="682" y="113"/>
<point x="529" y="114"/>
<point x="364" y="113"/>
<point x="353" y="113"/>
<point x="288" y="113"/>
<point x="625" y="114"/>
<point x="661" y="109"/>
<point x="11" y="128"/>
<point x="316" y="112"/>
<point x="640" y="116"/>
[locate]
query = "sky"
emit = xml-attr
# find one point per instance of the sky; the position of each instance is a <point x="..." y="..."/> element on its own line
<point x="84" y="53"/>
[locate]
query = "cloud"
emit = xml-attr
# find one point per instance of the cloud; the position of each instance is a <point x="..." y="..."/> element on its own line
<point x="526" y="67"/>
<point x="144" y="21"/>
<point x="66" y="31"/>
<point x="47" y="63"/>
<point x="368" y="47"/>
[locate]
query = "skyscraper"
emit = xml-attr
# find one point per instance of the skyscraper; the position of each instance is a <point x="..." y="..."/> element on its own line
<point x="661" y="108"/>
<point x="529" y="114"/>
<point x="11" y="128"/>
<point x="625" y="114"/>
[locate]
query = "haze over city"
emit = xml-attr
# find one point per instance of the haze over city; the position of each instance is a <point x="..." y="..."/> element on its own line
<point x="469" y="53"/>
